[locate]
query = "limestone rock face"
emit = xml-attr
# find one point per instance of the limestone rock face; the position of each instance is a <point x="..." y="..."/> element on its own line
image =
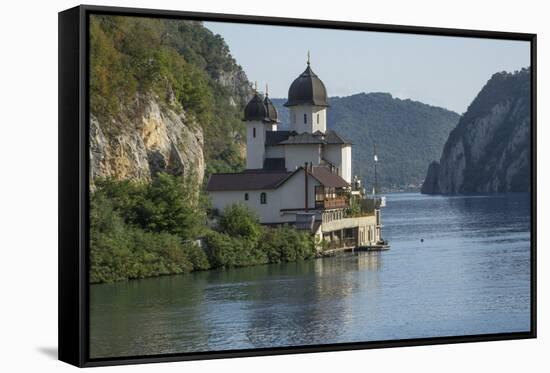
<point x="489" y="150"/>
<point x="431" y="184"/>
<point x="156" y="139"/>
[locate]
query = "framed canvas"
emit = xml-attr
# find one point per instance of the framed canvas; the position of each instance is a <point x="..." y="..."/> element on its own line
<point x="235" y="186"/>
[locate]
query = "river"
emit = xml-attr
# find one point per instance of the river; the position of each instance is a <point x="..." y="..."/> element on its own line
<point x="470" y="275"/>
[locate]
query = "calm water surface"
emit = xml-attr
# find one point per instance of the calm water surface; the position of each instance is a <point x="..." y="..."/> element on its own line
<point x="471" y="275"/>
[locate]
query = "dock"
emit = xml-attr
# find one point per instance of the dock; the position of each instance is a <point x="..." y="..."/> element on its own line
<point x="351" y="249"/>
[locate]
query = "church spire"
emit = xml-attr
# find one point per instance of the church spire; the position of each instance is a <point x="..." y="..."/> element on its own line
<point x="308" y="58"/>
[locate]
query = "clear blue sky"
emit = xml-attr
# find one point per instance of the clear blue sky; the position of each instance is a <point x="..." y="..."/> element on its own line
<point x="437" y="70"/>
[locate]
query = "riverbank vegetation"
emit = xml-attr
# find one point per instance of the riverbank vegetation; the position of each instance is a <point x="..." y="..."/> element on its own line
<point x="140" y="230"/>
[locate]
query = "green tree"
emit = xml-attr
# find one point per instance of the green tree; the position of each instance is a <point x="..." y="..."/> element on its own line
<point x="170" y="206"/>
<point x="287" y="244"/>
<point x="239" y="221"/>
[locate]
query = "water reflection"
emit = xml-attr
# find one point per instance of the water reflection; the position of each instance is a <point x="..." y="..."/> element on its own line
<point x="469" y="276"/>
<point x="311" y="308"/>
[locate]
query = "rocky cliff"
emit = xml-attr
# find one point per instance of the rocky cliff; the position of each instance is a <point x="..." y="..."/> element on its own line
<point x="489" y="150"/>
<point x="165" y="96"/>
<point x="155" y="140"/>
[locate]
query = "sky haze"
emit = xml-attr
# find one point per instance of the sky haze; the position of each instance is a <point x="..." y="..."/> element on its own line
<point x="436" y="70"/>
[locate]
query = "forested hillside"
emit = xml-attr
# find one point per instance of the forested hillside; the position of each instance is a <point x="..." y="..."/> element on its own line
<point x="408" y="135"/>
<point x="166" y="95"/>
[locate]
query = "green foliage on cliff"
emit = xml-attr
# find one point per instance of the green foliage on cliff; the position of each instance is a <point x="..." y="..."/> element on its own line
<point x="183" y="64"/>
<point x="408" y="135"/>
<point x="142" y="230"/>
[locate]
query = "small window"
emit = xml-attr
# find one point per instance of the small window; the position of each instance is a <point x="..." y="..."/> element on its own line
<point x="246" y="196"/>
<point x="263" y="198"/>
<point x="317" y="118"/>
<point x="253" y="131"/>
<point x="305" y="118"/>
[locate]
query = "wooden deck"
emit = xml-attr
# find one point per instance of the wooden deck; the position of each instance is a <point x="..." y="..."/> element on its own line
<point x="345" y="249"/>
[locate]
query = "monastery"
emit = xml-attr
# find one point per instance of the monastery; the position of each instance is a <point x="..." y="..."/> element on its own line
<point x="301" y="176"/>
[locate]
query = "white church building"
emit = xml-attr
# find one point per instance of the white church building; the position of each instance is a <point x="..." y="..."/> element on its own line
<point x="301" y="176"/>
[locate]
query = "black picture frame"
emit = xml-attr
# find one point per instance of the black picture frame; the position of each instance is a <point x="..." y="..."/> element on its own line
<point x="74" y="180"/>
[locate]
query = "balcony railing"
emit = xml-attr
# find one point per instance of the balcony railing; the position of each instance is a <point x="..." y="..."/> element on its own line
<point x="339" y="208"/>
<point x="332" y="203"/>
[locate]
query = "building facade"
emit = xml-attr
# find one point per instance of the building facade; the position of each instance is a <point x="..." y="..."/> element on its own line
<point x="300" y="176"/>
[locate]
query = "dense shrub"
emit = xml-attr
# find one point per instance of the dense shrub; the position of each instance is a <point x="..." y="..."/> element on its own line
<point x="286" y="244"/>
<point x="197" y="257"/>
<point x="225" y="251"/>
<point x="142" y="230"/>
<point x="238" y="220"/>
<point x="119" y="251"/>
<point x="166" y="205"/>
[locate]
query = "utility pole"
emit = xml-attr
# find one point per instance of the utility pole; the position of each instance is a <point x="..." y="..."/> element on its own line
<point x="375" y="187"/>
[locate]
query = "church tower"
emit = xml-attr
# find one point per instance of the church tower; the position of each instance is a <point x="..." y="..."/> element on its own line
<point x="260" y="116"/>
<point x="308" y="102"/>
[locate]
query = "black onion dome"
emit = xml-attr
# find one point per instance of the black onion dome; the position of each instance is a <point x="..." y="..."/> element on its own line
<point x="256" y="109"/>
<point x="271" y="110"/>
<point x="307" y="89"/>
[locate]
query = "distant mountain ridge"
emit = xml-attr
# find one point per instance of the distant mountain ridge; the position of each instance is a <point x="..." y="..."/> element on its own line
<point x="489" y="150"/>
<point x="408" y="135"/>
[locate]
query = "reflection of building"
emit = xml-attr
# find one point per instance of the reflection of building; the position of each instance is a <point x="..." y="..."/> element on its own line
<point x="300" y="176"/>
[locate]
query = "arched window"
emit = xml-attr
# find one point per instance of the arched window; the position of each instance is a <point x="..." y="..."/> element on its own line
<point x="317" y="118"/>
<point x="263" y="198"/>
<point x="305" y="118"/>
<point x="253" y="131"/>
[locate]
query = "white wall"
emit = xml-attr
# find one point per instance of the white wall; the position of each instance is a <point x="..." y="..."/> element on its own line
<point x="293" y="192"/>
<point x="339" y="156"/>
<point x="268" y="213"/>
<point x="297" y="155"/>
<point x="255" y="145"/>
<point x="346" y="163"/>
<point x="290" y="195"/>
<point x="313" y="123"/>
